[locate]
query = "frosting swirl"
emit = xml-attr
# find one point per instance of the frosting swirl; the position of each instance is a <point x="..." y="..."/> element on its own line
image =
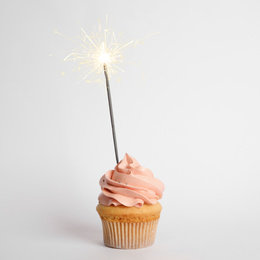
<point x="129" y="184"/>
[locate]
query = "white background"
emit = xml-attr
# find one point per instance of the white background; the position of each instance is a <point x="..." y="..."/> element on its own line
<point x="187" y="107"/>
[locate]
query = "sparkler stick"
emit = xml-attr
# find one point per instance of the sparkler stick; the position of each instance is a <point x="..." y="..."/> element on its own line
<point x="111" y="112"/>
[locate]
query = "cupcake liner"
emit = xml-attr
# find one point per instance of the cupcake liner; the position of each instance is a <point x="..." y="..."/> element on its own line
<point x="129" y="235"/>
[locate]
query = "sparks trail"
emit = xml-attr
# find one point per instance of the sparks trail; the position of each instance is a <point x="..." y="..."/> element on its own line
<point x="96" y="49"/>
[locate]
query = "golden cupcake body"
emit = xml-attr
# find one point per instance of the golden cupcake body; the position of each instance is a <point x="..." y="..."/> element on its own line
<point x="129" y="227"/>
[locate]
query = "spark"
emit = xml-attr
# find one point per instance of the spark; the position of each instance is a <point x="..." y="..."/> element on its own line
<point x="94" y="51"/>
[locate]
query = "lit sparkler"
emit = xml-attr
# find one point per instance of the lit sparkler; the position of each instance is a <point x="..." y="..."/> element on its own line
<point x="100" y="52"/>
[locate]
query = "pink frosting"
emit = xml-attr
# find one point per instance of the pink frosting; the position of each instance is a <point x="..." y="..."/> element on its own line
<point x="129" y="184"/>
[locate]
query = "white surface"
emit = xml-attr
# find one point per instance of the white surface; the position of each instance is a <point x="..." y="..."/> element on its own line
<point x="188" y="108"/>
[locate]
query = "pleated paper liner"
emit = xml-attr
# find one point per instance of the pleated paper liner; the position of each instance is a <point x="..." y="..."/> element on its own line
<point x="129" y="235"/>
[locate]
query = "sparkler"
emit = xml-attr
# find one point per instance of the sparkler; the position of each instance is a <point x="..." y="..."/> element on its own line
<point x="98" y="53"/>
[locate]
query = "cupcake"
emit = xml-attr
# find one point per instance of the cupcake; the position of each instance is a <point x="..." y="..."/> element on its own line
<point x="128" y="205"/>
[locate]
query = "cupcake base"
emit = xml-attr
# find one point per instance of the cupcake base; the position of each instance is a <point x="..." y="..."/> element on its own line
<point x="129" y="228"/>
